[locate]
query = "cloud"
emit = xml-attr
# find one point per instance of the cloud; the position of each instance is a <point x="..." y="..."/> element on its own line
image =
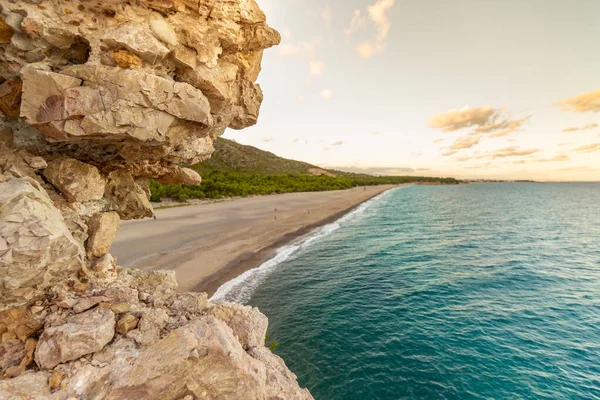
<point x="460" y="144"/>
<point x="502" y="128"/>
<point x="512" y="151"/>
<point x="267" y="139"/>
<point x="338" y="143"/>
<point x="438" y="140"/>
<point x="326" y="148"/>
<point x="289" y="50"/>
<point x="377" y="14"/>
<point x="326" y="94"/>
<point x="316" y="67"/>
<point x="557" y="158"/>
<point x="326" y="15"/>
<point x="357" y="21"/>
<point x="566" y="144"/>
<point x="588" y="148"/>
<point x="583" y="103"/>
<point x="467" y="117"/>
<point x="416" y="153"/>
<point x="301" y="99"/>
<point x="365" y="50"/>
<point x="580" y="128"/>
<point x="376" y="133"/>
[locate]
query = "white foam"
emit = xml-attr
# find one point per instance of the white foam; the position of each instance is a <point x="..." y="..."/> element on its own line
<point x="240" y="289"/>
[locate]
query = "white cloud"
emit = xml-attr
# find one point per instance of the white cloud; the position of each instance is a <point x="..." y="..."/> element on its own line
<point x="378" y="15"/>
<point x="289" y="50"/>
<point x="338" y="143"/>
<point x="267" y="139"/>
<point x="357" y="21"/>
<point x="316" y="67"/>
<point x="327" y="15"/>
<point x="326" y="94"/>
<point x="365" y="50"/>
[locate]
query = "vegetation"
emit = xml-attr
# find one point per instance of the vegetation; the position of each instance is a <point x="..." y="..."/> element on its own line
<point x="240" y="171"/>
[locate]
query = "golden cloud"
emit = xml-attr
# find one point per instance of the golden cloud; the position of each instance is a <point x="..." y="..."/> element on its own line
<point x="464" y="143"/>
<point x="486" y="120"/>
<point x="438" y="140"/>
<point x="580" y="128"/>
<point x="503" y="128"/>
<point x="467" y="117"/>
<point x="589" y="148"/>
<point x="512" y="151"/>
<point x="583" y="103"/>
<point x="557" y="158"/>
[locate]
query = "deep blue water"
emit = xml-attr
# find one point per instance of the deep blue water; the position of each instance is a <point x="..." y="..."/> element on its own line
<point x="487" y="291"/>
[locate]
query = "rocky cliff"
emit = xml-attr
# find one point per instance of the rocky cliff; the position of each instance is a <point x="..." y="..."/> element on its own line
<point x="98" y="97"/>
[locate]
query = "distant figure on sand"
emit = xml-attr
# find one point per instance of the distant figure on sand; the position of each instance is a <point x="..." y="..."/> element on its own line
<point x="154" y="217"/>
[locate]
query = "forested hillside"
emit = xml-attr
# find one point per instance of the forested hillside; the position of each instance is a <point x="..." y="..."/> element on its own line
<point x="236" y="170"/>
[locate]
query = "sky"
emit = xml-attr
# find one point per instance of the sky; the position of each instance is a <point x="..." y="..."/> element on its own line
<point x="497" y="89"/>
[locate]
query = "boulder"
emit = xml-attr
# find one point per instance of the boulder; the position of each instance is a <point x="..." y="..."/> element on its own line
<point x="33" y="235"/>
<point x="75" y="180"/>
<point x="128" y="199"/>
<point x="32" y="385"/>
<point x="137" y="39"/>
<point x="202" y="359"/>
<point x="82" y="334"/>
<point x="281" y="382"/>
<point x="248" y="324"/>
<point x="102" y="229"/>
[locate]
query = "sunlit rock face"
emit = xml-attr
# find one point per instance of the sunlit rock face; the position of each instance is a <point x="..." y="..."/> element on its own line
<point x="96" y="99"/>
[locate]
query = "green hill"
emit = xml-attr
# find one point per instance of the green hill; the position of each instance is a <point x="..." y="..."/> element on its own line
<point x="236" y="170"/>
<point x="230" y="156"/>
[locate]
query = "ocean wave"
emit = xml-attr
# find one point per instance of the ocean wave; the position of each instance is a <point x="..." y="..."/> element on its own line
<point x="239" y="290"/>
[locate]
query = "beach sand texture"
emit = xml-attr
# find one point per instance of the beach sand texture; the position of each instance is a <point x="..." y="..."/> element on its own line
<point x="208" y="245"/>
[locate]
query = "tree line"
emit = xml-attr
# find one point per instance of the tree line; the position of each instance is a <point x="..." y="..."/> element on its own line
<point x="220" y="184"/>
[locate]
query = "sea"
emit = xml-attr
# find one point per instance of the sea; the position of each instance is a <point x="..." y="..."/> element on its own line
<point x="479" y="291"/>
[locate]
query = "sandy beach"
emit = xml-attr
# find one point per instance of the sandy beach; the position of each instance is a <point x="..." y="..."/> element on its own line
<point x="208" y="245"/>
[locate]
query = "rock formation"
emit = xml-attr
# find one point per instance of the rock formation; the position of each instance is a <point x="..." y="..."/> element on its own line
<point x="96" y="99"/>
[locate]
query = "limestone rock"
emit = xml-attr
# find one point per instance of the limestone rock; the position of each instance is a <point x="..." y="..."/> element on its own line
<point x="96" y="99"/>
<point x="181" y="176"/>
<point x="247" y="323"/>
<point x="281" y="382"/>
<point x="76" y="181"/>
<point x="103" y="230"/>
<point x="33" y="235"/>
<point x="126" y="59"/>
<point x="11" y="354"/>
<point x="27" y="386"/>
<point x="193" y="303"/>
<point x="136" y="38"/>
<point x="126" y="323"/>
<point x="82" y="334"/>
<point x="163" y="371"/>
<point x="127" y="197"/>
<point x="10" y="97"/>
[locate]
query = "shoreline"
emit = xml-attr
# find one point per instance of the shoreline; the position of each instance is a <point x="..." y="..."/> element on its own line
<point x="246" y="263"/>
<point x="211" y="245"/>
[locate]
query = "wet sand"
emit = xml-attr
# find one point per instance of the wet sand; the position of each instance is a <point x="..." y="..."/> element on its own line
<point x="208" y="245"/>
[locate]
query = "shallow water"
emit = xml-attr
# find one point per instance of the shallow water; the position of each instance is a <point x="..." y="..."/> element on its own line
<point x="487" y="291"/>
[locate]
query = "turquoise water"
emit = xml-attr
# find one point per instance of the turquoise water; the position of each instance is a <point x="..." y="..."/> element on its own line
<point x="487" y="291"/>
